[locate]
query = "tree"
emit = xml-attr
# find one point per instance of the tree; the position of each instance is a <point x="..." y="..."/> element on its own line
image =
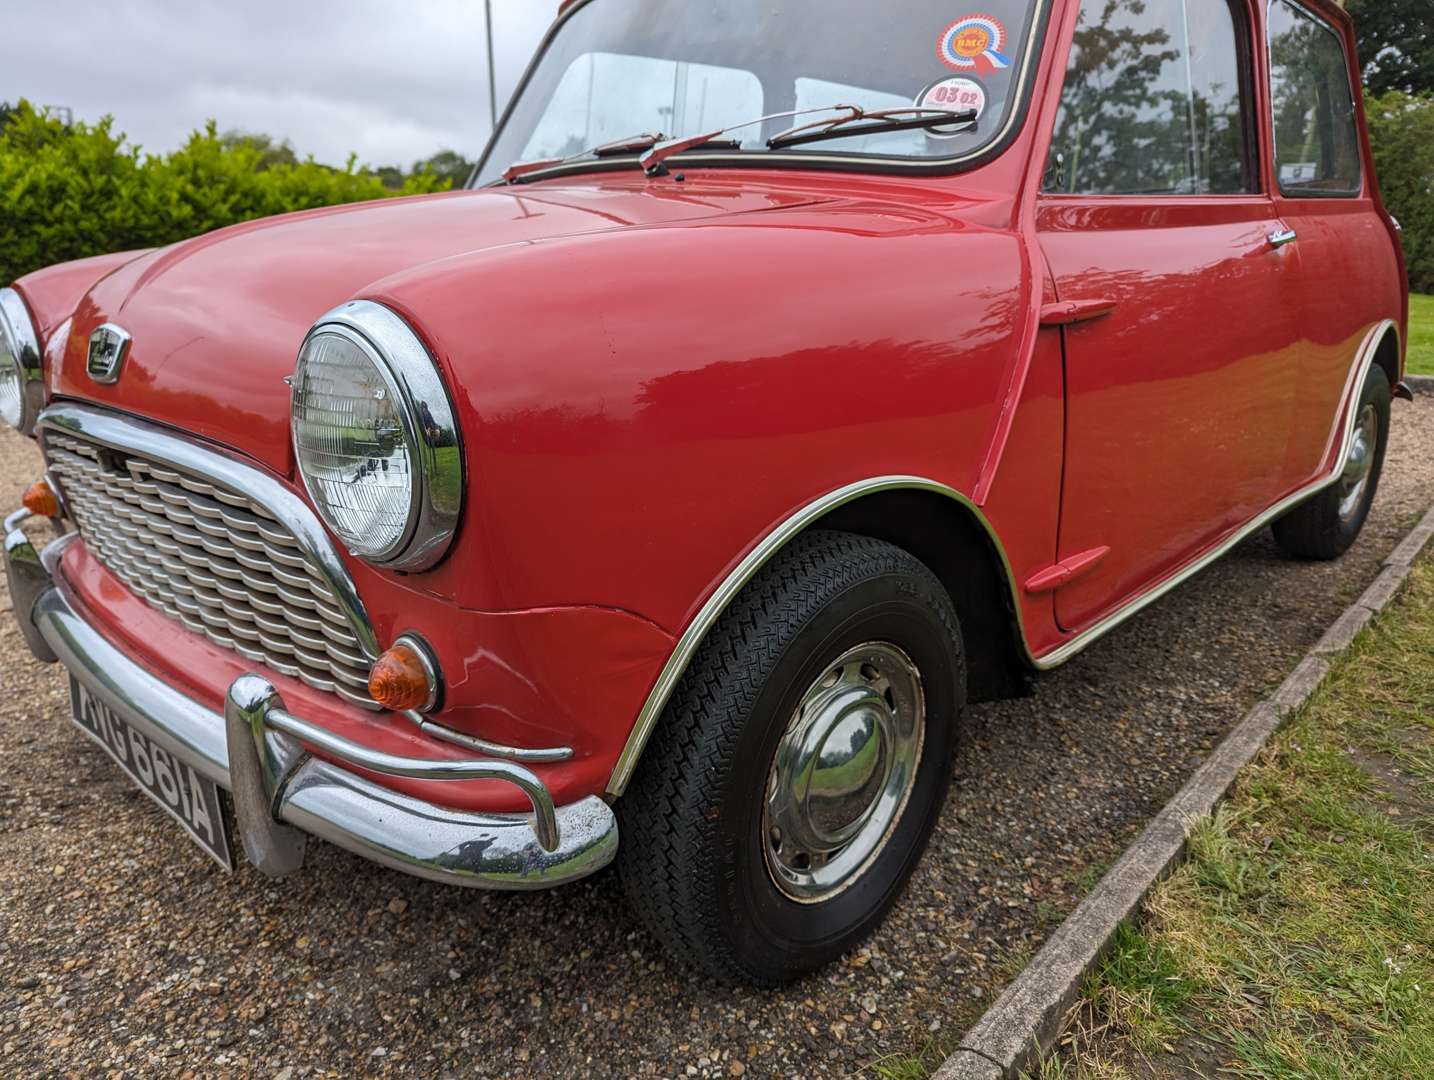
<point x="7" y="113"/>
<point x="390" y="176"/>
<point x="270" y="153"/>
<point x="446" y="165"/>
<point x="1396" y="44"/>
<point x="1401" y="128"/>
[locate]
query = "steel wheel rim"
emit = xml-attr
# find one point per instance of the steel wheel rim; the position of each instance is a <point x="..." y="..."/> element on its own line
<point x="1359" y="463"/>
<point x="843" y="772"/>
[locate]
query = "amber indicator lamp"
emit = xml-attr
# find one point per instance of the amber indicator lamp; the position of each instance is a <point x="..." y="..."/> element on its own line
<point x="403" y="679"/>
<point x="40" y="499"/>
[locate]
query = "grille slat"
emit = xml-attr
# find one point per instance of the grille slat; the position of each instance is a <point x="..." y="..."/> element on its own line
<point x="213" y="560"/>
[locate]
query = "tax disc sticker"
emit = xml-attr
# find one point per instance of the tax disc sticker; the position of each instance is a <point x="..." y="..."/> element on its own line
<point x="974" y="44"/>
<point x="958" y="94"/>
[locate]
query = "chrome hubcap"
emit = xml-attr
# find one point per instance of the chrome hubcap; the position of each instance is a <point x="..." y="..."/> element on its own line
<point x="1359" y="464"/>
<point x="843" y="772"/>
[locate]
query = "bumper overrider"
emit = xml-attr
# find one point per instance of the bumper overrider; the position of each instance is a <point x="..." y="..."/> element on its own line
<point x="283" y="793"/>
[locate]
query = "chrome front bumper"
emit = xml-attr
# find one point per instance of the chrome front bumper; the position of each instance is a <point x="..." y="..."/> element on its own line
<point x="282" y="793"/>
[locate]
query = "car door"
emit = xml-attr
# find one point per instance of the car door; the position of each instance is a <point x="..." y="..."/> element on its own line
<point x="1336" y="233"/>
<point x="1153" y="213"/>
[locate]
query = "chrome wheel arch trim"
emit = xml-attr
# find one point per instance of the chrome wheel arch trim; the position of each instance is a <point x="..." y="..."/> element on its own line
<point x="788" y="530"/>
<point x="697" y="630"/>
<point x="142" y="437"/>
<point x="1344" y="418"/>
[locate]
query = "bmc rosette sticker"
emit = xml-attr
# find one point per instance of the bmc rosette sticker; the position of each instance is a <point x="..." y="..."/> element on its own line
<point x="958" y="94"/>
<point x="974" y="44"/>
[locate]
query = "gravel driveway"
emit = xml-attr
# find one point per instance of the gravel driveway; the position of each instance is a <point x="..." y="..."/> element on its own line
<point x="123" y="950"/>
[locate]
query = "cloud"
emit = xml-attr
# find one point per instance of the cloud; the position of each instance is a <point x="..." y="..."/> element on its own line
<point x="393" y="82"/>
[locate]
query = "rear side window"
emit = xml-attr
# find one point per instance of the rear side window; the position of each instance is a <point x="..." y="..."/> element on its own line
<point x="1316" y="128"/>
<point x="1156" y="102"/>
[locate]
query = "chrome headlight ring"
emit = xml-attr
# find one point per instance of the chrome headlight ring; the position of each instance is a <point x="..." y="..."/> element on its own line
<point x="24" y="397"/>
<point x="429" y="437"/>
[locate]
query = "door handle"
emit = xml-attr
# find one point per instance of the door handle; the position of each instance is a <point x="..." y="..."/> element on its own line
<point x="1283" y="238"/>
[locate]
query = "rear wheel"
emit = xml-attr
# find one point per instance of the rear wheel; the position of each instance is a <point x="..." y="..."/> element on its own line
<point x="1327" y="525"/>
<point x="794" y="779"/>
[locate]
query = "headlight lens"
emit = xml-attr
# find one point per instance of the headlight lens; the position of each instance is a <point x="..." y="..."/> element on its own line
<point x="351" y="446"/>
<point x="20" y="385"/>
<point x="374" y="438"/>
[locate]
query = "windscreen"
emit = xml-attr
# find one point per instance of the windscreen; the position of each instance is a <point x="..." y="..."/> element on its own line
<point x="620" y="68"/>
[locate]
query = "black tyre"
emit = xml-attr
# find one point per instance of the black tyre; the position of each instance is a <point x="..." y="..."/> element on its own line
<point x="1327" y="525"/>
<point x="793" y="781"/>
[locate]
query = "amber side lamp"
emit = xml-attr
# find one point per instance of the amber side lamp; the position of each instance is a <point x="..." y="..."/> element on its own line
<point x="404" y="678"/>
<point x="40" y="499"/>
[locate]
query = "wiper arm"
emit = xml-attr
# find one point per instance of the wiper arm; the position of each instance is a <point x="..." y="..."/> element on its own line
<point x="633" y="144"/>
<point x="878" y="120"/>
<point x="654" y="161"/>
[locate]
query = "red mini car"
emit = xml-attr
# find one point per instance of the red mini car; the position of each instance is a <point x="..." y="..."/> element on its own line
<point x="789" y="376"/>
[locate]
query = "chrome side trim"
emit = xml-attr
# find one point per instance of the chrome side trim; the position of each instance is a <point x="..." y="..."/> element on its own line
<point x="147" y="440"/>
<point x="727" y="591"/>
<point x="1364" y="359"/>
<point x="19" y="329"/>
<point x="430" y="429"/>
<point x="712" y="610"/>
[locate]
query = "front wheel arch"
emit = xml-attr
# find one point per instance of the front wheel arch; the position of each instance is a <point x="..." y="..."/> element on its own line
<point x="964" y="555"/>
<point x="930" y="521"/>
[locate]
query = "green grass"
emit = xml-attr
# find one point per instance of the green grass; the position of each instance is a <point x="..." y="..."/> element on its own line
<point x="1298" y="940"/>
<point x="1421" y="335"/>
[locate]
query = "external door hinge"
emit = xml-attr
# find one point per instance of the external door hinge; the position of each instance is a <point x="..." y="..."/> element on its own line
<point x="1070" y="312"/>
<point x="1066" y="571"/>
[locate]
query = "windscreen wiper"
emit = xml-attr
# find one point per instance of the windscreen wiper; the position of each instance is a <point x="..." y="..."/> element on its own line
<point x="859" y="122"/>
<point x="654" y="162"/>
<point x="632" y="144"/>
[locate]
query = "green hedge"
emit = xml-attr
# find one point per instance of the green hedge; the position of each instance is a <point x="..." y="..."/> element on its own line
<point x="70" y="192"/>
<point x="1402" y="129"/>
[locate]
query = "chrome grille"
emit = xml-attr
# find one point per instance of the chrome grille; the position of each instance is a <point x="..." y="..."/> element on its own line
<point x="211" y="558"/>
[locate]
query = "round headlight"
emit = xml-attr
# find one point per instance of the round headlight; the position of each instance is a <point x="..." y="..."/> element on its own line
<point x="375" y="439"/>
<point x="21" y="389"/>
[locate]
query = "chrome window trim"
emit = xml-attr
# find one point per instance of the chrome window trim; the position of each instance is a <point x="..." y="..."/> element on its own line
<point x="154" y="443"/>
<point x="1024" y="80"/>
<point x="412" y="373"/>
<point x="692" y="638"/>
<point x="19" y="329"/>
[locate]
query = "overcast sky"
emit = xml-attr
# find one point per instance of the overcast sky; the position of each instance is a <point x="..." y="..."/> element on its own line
<point x="393" y="81"/>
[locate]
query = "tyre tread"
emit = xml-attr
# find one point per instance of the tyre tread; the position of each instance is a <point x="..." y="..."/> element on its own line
<point x="668" y="850"/>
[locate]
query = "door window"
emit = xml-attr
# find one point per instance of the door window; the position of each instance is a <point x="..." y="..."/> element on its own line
<point x="1316" y="127"/>
<point x="1156" y="102"/>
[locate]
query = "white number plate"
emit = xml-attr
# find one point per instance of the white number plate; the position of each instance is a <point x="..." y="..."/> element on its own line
<point x="192" y="800"/>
